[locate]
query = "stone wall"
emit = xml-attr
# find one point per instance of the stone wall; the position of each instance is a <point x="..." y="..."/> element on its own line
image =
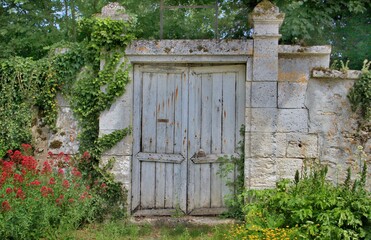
<point x="292" y="113"/>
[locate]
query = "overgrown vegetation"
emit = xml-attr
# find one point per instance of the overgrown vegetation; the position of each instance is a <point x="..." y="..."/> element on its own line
<point x="74" y="70"/>
<point x="309" y="207"/>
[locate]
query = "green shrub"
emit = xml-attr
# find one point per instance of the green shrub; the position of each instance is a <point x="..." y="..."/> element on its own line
<point x="309" y="208"/>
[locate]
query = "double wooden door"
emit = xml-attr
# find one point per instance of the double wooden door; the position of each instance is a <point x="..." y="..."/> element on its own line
<point x="185" y="118"/>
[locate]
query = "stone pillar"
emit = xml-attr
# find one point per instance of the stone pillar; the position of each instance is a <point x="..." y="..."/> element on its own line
<point x="118" y="116"/>
<point x="262" y="112"/>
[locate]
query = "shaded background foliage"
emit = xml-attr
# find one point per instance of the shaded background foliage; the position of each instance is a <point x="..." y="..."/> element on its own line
<point x="27" y="27"/>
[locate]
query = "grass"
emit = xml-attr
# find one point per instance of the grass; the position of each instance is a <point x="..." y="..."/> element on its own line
<point x="123" y="230"/>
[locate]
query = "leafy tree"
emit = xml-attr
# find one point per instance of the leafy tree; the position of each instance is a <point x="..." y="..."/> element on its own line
<point x="26" y="27"/>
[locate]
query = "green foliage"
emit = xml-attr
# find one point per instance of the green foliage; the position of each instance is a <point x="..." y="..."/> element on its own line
<point x="75" y="71"/>
<point x="235" y="201"/>
<point x="360" y="94"/>
<point x="20" y="79"/>
<point x="312" y="207"/>
<point x="42" y="203"/>
<point x="106" y="34"/>
<point x="108" y="141"/>
<point x="26" y="27"/>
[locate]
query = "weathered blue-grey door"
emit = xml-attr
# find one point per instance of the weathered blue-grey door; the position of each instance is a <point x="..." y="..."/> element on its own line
<point x="185" y="118"/>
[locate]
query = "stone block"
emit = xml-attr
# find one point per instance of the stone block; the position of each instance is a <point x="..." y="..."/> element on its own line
<point x="121" y="169"/>
<point x="262" y="173"/>
<point x="292" y="120"/>
<point x="302" y="145"/>
<point x="263" y="119"/>
<point x="118" y="116"/>
<point x="265" y="68"/>
<point x="264" y="94"/>
<point x="267" y="145"/>
<point x="286" y="167"/>
<point x="328" y="105"/>
<point x="265" y="47"/>
<point x="291" y="94"/>
<point x="296" y="67"/>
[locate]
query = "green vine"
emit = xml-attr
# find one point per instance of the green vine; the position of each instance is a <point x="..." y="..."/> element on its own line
<point x="235" y="201"/>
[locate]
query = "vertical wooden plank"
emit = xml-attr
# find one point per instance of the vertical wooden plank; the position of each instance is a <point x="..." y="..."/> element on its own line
<point x="206" y="100"/>
<point x="148" y="170"/>
<point x="240" y="100"/>
<point x="147" y="190"/>
<point x="206" y="103"/>
<point x="216" y="132"/>
<point x="229" y="122"/>
<point x="169" y="97"/>
<point x="161" y="127"/>
<point x="229" y="113"/>
<point x="194" y="139"/>
<point x="135" y="188"/>
<point x="169" y="185"/>
<point x="183" y="168"/>
<point x="161" y="109"/>
<point x="216" y="186"/>
<point x="149" y="112"/>
<point x="159" y="185"/>
<point x="169" y="136"/>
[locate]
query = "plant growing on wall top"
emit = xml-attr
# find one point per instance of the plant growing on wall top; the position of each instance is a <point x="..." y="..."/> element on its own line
<point x="360" y="95"/>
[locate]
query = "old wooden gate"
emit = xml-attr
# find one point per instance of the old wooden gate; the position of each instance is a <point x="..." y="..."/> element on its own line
<point x="185" y="118"/>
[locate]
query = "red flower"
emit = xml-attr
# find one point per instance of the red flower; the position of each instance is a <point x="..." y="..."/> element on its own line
<point x="18" y="178"/>
<point x="71" y="200"/>
<point x="76" y="172"/>
<point x="10" y="152"/>
<point x="66" y="184"/>
<point x="8" y="190"/>
<point x="35" y="183"/>
<point x="5" y="206"/>
<point x="61" y="171"/>
<point x="16" y="156"/>
<point x="4" y="176"/>
<point x="29" y="163"/>
<point x="20" y="194"/>
<point x="67" y="158"/>
<point x="8" y="166"/>
<point x="26" y="146"/>
<point x="103" y="185"/>
<point x="59" y="200"/>
<point x="86" y="156"/>
<point x="45" y="191"/>
<point x="47" y="168"/>
<point x="51" y="181"/>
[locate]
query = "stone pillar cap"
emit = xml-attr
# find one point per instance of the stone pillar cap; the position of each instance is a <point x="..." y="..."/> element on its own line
<point x="114" y="11"/>
<point x="266" y="10"/>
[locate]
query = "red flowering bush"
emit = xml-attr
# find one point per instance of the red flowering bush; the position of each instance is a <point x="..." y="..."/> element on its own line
<point x="40" y="200"/>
